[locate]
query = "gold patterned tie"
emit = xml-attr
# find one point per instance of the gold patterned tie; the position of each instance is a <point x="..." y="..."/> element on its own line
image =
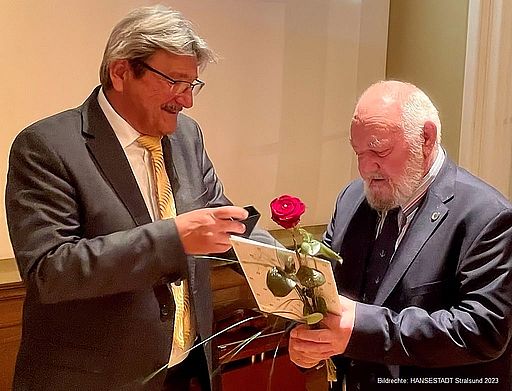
<point x="167" y="209"/>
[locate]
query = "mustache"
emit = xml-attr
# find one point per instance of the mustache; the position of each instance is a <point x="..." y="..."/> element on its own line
<point x="376" y="175"/>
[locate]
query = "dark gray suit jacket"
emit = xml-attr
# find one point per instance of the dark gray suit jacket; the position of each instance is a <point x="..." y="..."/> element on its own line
<point x="90" y="255"/>
<point x="444" y="307"/>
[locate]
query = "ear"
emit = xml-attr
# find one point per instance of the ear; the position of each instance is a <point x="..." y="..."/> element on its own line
<point x="119" y="72"/>
<point x="430" y="138"/>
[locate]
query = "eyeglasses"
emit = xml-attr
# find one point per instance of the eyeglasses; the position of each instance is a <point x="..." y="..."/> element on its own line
<point x="178" y="86"/>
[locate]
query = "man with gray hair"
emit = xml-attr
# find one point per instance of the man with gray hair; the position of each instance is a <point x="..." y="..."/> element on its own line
<point x="426" y="278"/>
<point x="107" y="204"/>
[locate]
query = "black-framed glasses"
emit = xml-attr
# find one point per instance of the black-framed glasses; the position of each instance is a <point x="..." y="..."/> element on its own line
<point x="177" y="86"/>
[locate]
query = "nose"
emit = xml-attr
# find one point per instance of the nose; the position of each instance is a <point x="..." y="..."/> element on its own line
<point x="185" y="98"/>
<point x="367" y="165"/>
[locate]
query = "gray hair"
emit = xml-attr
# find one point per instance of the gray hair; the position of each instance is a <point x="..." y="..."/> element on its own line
<point x="416" y="110"/>
<point x="147" y="29"/>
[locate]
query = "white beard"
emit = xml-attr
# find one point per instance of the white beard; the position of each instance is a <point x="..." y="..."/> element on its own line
<point x="401" y="190"/>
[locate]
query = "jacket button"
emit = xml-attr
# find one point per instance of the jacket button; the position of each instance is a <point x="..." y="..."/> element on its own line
<point x="164" y="311"/>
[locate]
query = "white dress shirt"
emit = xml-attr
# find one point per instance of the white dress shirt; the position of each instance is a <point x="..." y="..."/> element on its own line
<point x="142" y="168"/>
<point x="138" y="157"/>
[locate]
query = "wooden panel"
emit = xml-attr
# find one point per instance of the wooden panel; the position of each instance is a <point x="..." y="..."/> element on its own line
<point x="257" y="376"/>
<point x="11" y="305"/>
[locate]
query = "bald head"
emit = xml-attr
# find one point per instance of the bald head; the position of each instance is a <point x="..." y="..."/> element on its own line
<point x="401" y="103"/>
<point x="383" y="99"/>
<point x="394" y="133"/>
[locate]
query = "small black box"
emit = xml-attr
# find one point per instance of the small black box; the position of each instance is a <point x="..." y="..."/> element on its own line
<point x="250" y="221"/>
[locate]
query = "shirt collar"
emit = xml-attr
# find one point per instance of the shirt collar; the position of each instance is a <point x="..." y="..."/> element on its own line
<point x="125" y="133"/>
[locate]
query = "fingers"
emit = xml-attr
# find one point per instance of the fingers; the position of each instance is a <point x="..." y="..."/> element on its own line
<point x="227" y="220"/>
<point x="205" y="231"/>
<point x="301" y="360"/>
<point x="309" y="335"/>
<point x="228" y="227"/>
<point x="312" y="350"/>
<point x="308" y="354"/>
<point x="309" y="346"/>
<point x="229" y="212"/>
<point x="298" y="356"/>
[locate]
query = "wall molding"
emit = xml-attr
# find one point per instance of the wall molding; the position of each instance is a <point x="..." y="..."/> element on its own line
<point x="486" y="125"/>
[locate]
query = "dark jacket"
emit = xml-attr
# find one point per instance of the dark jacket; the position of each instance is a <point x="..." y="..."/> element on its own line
<point x="444" y="306"/>
<point x="90" y="256"/>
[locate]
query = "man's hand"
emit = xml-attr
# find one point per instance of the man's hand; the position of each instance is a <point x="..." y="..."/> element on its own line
<point x="307" y="347"/>
<point x="205" y="231"/>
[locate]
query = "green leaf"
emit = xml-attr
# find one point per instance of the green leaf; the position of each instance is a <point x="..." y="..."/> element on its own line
<point x="279" y="283"/>
<point x="311" y="247"/>
<point x="306" y="236"/>
<point x="314" y="248"/>
<point x="329" y="253"/>
<point x="309" y="277"/>
<point x="313" y="318"/>
<point x="321" y="305"/>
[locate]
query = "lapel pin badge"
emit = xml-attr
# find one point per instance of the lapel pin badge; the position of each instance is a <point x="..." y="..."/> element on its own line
<point x="435" y="216"/>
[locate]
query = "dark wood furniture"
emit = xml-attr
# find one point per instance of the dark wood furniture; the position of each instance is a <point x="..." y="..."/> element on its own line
<point x="255" y="354"/>
<point x="11" y="304"/>
<point x="254" y="365"/>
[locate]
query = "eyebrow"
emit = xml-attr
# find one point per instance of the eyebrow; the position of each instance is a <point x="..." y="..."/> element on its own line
<point x="176" y="76"/>
<point x="182" y="76"/>
<point x="375" y="143"/>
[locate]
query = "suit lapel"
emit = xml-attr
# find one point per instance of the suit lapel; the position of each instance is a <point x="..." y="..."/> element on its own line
<point x="430" y="215"/>
<point x="111" y="159"/>
<point x="170" y="168"/>
<point x="425" y="222"/>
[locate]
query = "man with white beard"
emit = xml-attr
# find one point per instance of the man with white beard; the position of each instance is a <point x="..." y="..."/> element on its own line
<point x="426" y="282"/>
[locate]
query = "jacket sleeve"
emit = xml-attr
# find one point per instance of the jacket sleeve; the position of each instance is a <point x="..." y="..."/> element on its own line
<point x="54" y="256"/>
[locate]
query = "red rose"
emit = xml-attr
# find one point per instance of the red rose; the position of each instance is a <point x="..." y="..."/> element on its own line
<point x="286" y="210"/>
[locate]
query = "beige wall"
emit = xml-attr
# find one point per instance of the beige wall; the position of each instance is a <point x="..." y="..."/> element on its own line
<point x="275" y="111"/>
<point x="427" y="47"/>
